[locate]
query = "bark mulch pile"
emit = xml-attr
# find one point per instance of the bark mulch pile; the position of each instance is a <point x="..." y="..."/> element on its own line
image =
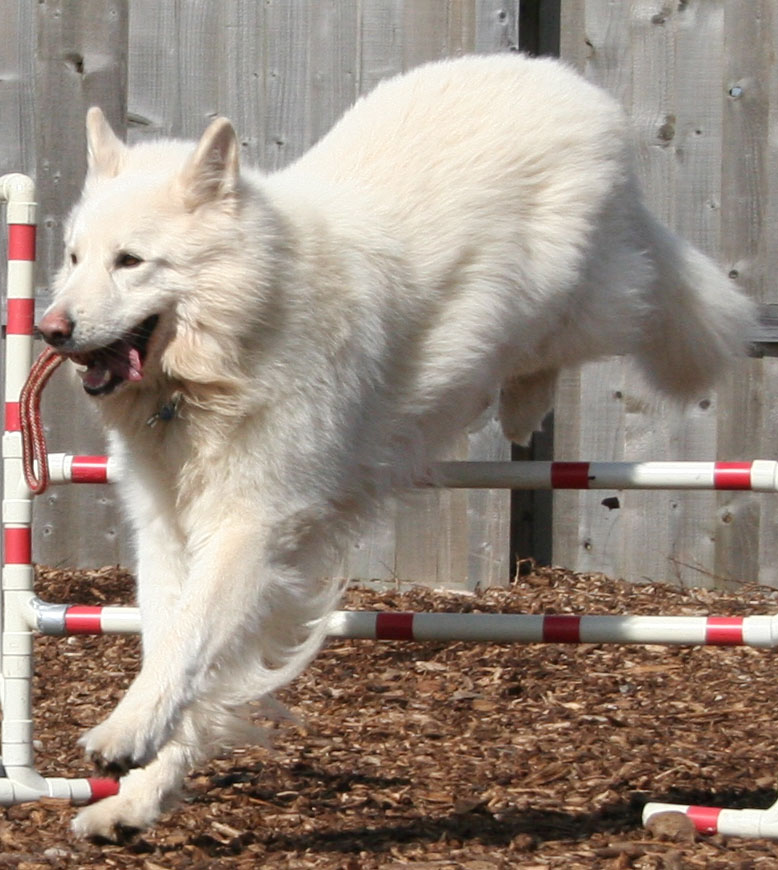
<point x="441" y="757"/>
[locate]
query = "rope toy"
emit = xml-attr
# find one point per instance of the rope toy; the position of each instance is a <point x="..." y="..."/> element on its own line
<point x="33" y="437"/>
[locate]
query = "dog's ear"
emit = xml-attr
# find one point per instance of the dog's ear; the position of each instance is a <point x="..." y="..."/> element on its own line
<point x="103" y="148"/>
<point x="212" y="172"/>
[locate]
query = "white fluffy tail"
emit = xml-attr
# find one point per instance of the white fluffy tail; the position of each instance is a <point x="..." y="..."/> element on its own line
<point x="698" y="321"/>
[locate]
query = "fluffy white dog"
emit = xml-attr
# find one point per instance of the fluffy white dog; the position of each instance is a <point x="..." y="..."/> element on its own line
<point x="272" y="354"/>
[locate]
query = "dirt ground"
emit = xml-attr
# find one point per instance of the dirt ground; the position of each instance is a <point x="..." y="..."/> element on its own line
<point x="440" y="757"/>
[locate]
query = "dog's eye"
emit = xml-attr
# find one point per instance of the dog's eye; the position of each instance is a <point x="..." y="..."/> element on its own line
<point x="127" y="261"/>
<point x="73" y="260"/>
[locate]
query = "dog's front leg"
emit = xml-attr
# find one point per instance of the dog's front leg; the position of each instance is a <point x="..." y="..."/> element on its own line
<point x="146" y="792"/>
<point x="162" y="571"/>
<point x="143" y="795"/>
<point x="219" y="612"/>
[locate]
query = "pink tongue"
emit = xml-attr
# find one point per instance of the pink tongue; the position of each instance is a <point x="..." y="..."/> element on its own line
<point x="135" y="367"/>
<point x="124" y="361"/>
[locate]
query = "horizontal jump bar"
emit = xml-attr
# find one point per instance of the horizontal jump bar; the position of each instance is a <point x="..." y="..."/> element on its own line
<point x="755" y="631"/>
<point x="760" y="475"/>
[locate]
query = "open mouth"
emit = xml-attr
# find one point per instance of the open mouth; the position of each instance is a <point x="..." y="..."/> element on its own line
<point x="120" y="362"/>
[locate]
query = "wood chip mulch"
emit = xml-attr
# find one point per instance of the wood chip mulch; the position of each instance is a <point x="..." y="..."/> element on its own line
<point x="443" y="757"/>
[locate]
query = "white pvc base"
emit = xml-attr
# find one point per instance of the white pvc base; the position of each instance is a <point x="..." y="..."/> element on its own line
<point x="22" y="785"/>
<point x="728" y="823"/>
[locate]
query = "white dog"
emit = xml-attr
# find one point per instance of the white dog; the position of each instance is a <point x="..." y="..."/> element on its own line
<point x="273" y="354"/>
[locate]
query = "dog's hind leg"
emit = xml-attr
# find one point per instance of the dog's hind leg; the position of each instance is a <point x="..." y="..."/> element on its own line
<point x="524" y="401"/>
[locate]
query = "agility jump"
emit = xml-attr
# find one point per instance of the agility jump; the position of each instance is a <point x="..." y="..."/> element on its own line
<point x="24" y="615"/>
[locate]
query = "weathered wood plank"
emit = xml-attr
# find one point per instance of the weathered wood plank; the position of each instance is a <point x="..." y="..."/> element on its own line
<point x="768" y="392"/>
<point x="590" y="417"/>
<point x="453" y="539"/>
<point x="17" y="90"/>
<point x="446" y="538"/>
<point x="574" y="42"/>
<point x="81" y="61"/>
<point x="176" y="58"/>
<point x="566" y="538"/>
<point x="379" y="55"/>
<point x="496" y="26"/>
<point x="670" y="102"/>
<point x="425" y="523"/>
<point x="286" y="84"/>
<point x="663" y="65"/>
<point x="692" y="133"/>
<point x="748" y="90"/>
<point x="17" y="95"/>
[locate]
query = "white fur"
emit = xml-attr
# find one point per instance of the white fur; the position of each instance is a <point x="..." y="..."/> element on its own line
<point x="472" y="224"/>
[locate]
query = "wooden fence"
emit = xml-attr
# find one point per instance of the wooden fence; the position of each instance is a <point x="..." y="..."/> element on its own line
<point x="700" y="82"/>
<point x="698" y="79"/>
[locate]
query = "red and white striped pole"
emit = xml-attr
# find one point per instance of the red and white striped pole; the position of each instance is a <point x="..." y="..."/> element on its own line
<point x="17" y="576"/>
<point x="18" y="192"/>
<point x="754" y="631"/>
<point x="760" y="475"/>
<point x="20" y="781"/>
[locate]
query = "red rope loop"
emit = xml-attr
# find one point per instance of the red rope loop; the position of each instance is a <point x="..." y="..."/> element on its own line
<point x="33" y="437"/>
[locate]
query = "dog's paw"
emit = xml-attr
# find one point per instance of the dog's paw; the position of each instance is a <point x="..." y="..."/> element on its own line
<point x="122" y="742"/>
<point x="117" y="819"/>
<point x="112" y="751"/>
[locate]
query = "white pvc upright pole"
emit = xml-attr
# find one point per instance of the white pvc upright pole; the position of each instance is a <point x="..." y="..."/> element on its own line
<point x="18" y="192"/>
<point x="19" y="781"/>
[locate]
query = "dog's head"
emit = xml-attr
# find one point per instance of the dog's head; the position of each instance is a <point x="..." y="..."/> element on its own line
<point x="147" y="234"/>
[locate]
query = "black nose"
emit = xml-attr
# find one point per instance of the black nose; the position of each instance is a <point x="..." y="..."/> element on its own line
<point x="56" y="327"/>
